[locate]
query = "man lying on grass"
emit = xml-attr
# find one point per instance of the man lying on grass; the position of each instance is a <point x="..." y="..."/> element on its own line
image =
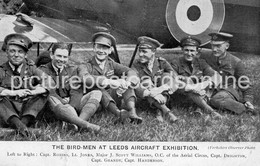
<point x="235" y="93"/>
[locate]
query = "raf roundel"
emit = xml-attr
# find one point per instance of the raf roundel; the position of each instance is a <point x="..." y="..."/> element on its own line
<point x="195" y="18"/>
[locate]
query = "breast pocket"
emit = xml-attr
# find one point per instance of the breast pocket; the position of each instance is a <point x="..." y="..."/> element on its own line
<point x="6" y="82"/>
<point x="198" y="73"/>
<point x="182" y="72"/>
<point x="159" y="73"/>
<point x="110" y="73"/>
<point x="227" y="70"/>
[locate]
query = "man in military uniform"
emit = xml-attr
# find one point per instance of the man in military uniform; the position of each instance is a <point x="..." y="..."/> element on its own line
<point x="234" y="78"/>
<point x="195" y="75"/>
<point x="66" y="100"/>
<point x="157" y="77"/>
<point x="102" y="69"/>
<point x="22" y="94"/>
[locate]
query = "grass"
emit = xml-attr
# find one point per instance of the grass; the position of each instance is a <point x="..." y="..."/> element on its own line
<point x="190" y="128"/>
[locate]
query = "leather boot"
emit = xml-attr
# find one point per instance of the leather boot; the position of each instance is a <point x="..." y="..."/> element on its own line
<point x="134" y="117"/>
<point x="122" y="114"/>
<point x="159" y="115"/>
<point x="17" y="124"/>
<point x="172" y="118"/>
<point x="166" y="112"/>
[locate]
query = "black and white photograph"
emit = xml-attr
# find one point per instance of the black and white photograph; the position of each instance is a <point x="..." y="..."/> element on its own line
<point x="129" y="82"/>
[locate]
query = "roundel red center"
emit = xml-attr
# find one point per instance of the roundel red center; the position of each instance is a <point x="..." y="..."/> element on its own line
<point x="194" y="18"/>
<point x="193" y="13"/>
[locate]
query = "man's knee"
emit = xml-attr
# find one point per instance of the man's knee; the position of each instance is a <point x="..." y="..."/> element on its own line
<point x="53" y="101"/>
<point x="106" y="99"/>
<point x="225" y="101"/>
<point x="219" y="99"/>
<point x="96" y="95"/>
<point x="93" y="97"/>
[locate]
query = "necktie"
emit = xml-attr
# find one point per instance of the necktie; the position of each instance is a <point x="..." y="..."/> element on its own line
<point x="190" y="66"/>
<point x="101" y="65"/>
<point x="15" y="72"/>
<point x="60" y="82"/>
<point x="219" y="62"/>
<point x="59" y="70"/>
<point x="150" y="67"/>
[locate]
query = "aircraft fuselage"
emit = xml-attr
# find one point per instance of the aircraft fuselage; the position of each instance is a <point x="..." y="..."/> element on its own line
<point x="148" y="17"/>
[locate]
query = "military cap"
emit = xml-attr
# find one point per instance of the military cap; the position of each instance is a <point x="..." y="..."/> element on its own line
<point x="219" y="38"/>
<point x="147" y="42"/>
<point x="190" y="41"/>
<point x="17" y="39"/>
<point x="104" y="38"/>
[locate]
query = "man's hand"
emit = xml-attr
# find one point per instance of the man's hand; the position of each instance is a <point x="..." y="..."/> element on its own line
<point x="22" y="92"/>
<point x="66" y="100"/>
<point x="200" y="92"/>
<point x="160" y="99"/>
<point x="198" y="88"/>
<point x="115" y="84"/>
<point x="159" y="90"/>
<point x="182" y="78"/>
<point x="249" y="105"/>
<point x="112" y="83"/>
<point x="154" y="92"/>
<point x="37" y="90"/>
<point x="124" y="84"/>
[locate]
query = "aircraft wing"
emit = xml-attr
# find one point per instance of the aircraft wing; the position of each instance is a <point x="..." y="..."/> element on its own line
<point x="38" y="33"/>
<point x="49" y="30"/>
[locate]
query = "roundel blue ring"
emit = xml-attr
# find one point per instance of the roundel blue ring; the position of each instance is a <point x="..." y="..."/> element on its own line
<point x="215" y="25"/>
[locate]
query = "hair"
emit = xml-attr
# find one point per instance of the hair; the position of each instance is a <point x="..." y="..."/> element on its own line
<point x="59" y="46"/>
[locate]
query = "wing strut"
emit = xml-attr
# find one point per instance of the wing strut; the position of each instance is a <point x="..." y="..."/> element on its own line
<point x="133" y="56"/>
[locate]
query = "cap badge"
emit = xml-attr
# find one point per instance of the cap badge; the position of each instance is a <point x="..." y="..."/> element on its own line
<point x="214" y="37"/>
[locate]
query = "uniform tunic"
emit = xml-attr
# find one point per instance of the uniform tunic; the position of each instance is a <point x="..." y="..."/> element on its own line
<point x="111" y="69"/>
<point x="161" y="69"/>
<point x="230" y="65"/>
<point x="61" y="88"/>
<point x="64" y="89"/>
<point x="198" y="68"/>
<point x="228" y="95"/>
<point x="16" y="106"/>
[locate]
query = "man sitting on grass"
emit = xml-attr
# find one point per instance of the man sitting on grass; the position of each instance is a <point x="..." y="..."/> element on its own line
<point x="107" y="75"/>
<point x="22" y="94"/>
<point x="195" y="75"/>
<point x="66" y="100"/>
<point x="157" y="78"/>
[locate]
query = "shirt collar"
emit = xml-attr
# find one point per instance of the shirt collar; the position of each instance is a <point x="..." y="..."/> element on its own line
<point x="13" y="67"/>
<point x="150" y="64"/>
<point x="56" y="69"/>
<point x="100" y="62"/>
<point x="223" y="57"/>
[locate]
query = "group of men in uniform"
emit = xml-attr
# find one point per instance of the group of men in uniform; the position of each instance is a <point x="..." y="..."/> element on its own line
<point x="25" y="89"/>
